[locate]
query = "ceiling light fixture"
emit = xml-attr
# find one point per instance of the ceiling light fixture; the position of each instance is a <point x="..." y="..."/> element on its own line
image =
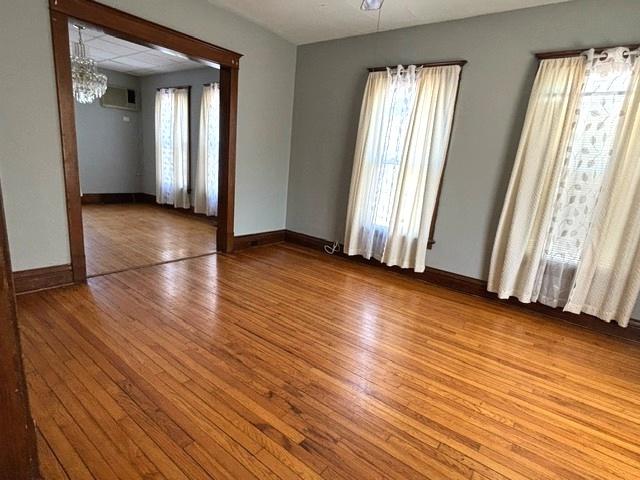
<point x="88" y="83"/>
<point x="371" y="4"/>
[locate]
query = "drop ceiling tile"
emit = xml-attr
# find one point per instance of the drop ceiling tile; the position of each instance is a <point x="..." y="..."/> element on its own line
<point x="116" y="54"/>
<point x="149" y="59"/>
<point x="113" y="65"/>
<point x="86" y="34"/>
<point x="115" y="49"/>
<point x="132" y="62"/>
<point x="123" y="43"/>
<point x="98" y="54"/>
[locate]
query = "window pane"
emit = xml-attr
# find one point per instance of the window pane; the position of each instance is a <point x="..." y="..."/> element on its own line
<point x="166" y="135"/>
<point x="398" y="108"/>
<point x="587" y="159"/>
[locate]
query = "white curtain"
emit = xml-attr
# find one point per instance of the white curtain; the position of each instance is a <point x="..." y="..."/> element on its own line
<point x="403" y="136"/>
<point x="206" y="187"/>
<point x="558" y="207"/>
<point x="527" y="210"/>
<point x="608" y="277"/>
<point x="172" y="147"/>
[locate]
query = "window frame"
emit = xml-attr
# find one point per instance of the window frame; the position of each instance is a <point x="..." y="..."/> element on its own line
<point x="431" y="242"/>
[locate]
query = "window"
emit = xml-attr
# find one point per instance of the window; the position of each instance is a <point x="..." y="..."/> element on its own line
<point x="172" y="146"/>
<point x="569" y="234"/>
<point x="403" y="138"/>
<point x="206" y="191"/>
<point x="588" y="156"/>
<point x="399" y="112"/>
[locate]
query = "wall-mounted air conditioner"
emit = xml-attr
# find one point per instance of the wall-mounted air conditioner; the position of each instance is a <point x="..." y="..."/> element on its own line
<point x="120" y="97"/>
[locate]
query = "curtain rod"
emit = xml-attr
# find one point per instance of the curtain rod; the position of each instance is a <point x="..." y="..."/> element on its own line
<point x="182" y="87"/>
<point x="578" y="52"/>
<point x="425" y="64"/>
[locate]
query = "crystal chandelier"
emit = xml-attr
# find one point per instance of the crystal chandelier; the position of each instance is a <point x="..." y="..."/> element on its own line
<point x="88" y="83"/>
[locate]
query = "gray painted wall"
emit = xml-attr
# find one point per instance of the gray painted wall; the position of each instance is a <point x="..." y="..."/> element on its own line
<point x="30" y="150"/>
<point x="110" y="148"/>
<point x="495" y="85"/>
<point x="149" y="84"/>
<point x="116" y="156"/>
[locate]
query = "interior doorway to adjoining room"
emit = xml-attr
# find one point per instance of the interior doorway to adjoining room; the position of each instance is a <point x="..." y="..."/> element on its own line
<point x="163" y="214"/>
<point x="147" y="129"/>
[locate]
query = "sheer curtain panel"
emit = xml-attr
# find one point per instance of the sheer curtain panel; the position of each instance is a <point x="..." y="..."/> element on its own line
<point x="206" y="187"/>
<point x="526" y="215"/>
<point x="567" y="235"/>
<point x="172" y="147"/>
<point x="608" y="277"/>
<point x="403" y="136"/>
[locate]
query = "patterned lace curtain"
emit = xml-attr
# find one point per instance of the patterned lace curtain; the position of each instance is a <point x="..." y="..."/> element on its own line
<point x="607" y="282"/>
<point x="588" y="155"/>
<point x="206" y="187"/>
<point x="567" y="195"/>
<point x="403" y="134"/>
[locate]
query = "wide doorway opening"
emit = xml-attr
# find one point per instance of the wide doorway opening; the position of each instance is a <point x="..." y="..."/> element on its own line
<point x="147" y="125"/>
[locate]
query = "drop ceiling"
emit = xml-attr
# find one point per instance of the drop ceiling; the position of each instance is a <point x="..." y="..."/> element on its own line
<point x="116" y="54"/>
<point x="307" y="21"/>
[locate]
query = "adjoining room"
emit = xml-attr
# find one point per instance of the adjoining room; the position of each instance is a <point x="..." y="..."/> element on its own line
<point x="147" y="152"/>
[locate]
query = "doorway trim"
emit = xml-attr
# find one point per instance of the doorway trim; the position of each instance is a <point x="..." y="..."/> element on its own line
<point x="143" y="32"/>
<point x="18" y="452"/>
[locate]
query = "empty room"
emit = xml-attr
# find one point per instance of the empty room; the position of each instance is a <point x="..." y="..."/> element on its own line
<point x="140" y="147"/>
<point x="320" y="239"/>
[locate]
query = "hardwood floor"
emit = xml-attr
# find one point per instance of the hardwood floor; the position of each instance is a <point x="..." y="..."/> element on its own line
<point x="280" y="362"/>
<point x="130" y="235"/>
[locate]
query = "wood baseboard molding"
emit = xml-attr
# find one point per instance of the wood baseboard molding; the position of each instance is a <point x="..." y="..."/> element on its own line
<point x="305" y="240"/>
<point x="99" y="198"/>
<point x="477" y="287"/>
<point x="42" y="278"/>
<point x="242" y="242"/>
<point x="142" y="197"/>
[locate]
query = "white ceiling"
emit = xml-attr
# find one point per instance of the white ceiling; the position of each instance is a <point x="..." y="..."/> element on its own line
<point x="306" y="21"/>
<point x="116" y="54"/>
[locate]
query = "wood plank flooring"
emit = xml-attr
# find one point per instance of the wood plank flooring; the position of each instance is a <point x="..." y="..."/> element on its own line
<point x="130" y="235"/>
<point x="281" y="362"/>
